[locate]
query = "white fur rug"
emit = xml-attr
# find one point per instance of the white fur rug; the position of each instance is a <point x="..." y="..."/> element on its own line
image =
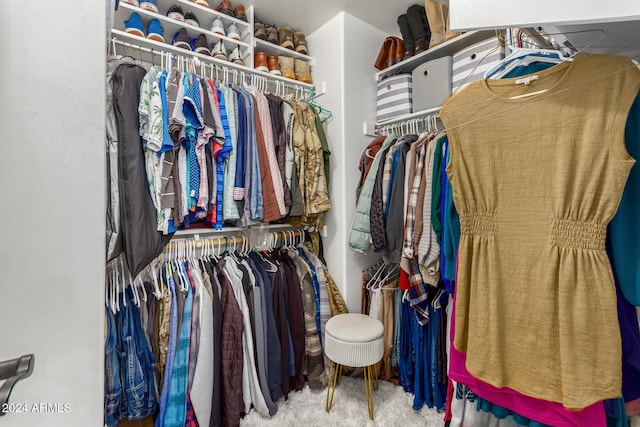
<point x="392" y="407"/>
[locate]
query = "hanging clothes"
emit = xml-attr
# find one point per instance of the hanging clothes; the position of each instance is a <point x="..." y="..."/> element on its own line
<point x="477" y="220"/>
<point x="231" y="332"/>
<point x="140" y="239"/>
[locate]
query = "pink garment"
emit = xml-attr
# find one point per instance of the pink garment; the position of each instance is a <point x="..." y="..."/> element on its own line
<point x="543" y="411"/>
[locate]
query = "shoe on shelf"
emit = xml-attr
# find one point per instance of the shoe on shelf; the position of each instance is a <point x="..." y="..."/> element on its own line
<point x="274" y="65"/>
<point x="302" y="70"/>
<point x="285" y="37"/>
<point x="407" y="36"/>
<point x="259" y="31"/>
<point x="232" y="32"/>
<point x="203" y="3"/>
<point x="155" y="31"/>
<point x="217" y="27"/>
<point x="175" y="12"/>
<point x="286" y="67"/>
<point x="300" y="43"/>
<point x="241" y="13"/>
<point x="272" y="33"/>
<point x="236" y="56"/>
<point x="199" y="45"/>
<point x="219" y="51"/>
<point x="191" y="19"/>
<point x="260" y="62"/>
<point x="133" y="25"/>
<point x="132" y="2"/>
<point x="151" y="5"/>
<point x="181" y="39"/>
<point x="225" y="7"/>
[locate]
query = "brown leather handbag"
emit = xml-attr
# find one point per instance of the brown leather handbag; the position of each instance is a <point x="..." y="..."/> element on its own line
<point x="391" y="52"/>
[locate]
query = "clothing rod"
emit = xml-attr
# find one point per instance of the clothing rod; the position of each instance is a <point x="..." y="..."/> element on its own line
<point x="229" y="68"/>
<point x="412" y="123"/>
<point x="198" y="241"/>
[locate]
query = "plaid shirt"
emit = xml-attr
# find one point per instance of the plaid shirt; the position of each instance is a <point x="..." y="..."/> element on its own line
<point x="267" y="131"/>
<point x="418" y="295"/>
<point x="407" y="246"/>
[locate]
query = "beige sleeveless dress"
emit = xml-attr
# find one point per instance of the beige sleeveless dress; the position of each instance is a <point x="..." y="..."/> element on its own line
<point x="536" y="179"/>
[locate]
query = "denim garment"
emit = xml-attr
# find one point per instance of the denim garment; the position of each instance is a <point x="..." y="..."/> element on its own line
<point x="134" y="363"/>
<point x="147" y="360"/>
<point x="112" y="385"/>
<point x="177" y="402"/>
<point x="438" y="389"/>
<point x="406" y="351"/>
<point x="171" y="352"/>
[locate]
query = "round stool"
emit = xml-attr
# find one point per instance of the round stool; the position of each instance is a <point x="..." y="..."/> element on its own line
<point x="355" y="340"/>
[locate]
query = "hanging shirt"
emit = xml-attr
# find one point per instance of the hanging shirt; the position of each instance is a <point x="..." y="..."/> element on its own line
<point x="221" y="159"/>
<point x="230" y="208"/>
<point x="241" y="146"/>
<point x="535" y="227"/>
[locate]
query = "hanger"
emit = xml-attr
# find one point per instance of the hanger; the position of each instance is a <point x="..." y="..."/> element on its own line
<point x="524" y="57"/>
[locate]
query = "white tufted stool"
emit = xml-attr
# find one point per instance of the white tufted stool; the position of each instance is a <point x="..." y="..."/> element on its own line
<point x="355" y="340"/>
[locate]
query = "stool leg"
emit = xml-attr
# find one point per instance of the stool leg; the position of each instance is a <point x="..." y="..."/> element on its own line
<point x="368" y="388"/>
<point x="375" y="375"/>
<point x="331" y="386"/>
<point x="339" y="374"/>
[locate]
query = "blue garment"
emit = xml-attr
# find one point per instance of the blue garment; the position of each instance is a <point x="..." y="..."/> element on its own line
<point x="167" y="142"/>
<point x="256" y="202"/>
<point x="420" y="381"/>
<point x="625" y="227"/>
<point x="241" y="146"/>
<point x="438" y="389"/>
<point x="221" y="157"/>
<point x="450" y="225"/>
<point x="176" y="411"/>
<point x="405" y="365"/>
<point x="192" y="109"/>
<point x="171" y="351"/>
<point x="136" y="362"/>
<point x="112" y="385"/>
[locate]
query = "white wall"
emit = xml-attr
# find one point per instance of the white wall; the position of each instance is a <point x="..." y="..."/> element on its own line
<point x="473" y="14"/>
<point x="345" y="49"/>
<point x="52" y="192"/>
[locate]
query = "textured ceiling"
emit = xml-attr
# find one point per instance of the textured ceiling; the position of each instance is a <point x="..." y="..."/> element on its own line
<point x="309" y="15"/>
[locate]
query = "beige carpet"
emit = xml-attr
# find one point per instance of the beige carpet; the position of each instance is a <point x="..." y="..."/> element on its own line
<point x="393" y="407"/>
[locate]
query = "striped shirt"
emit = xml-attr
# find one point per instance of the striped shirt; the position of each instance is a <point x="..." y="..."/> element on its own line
<point x="428" y="247"/>
<point x="221" y="159"/>
<point x="230" y="208"/>
<point x="267" y="131"/>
